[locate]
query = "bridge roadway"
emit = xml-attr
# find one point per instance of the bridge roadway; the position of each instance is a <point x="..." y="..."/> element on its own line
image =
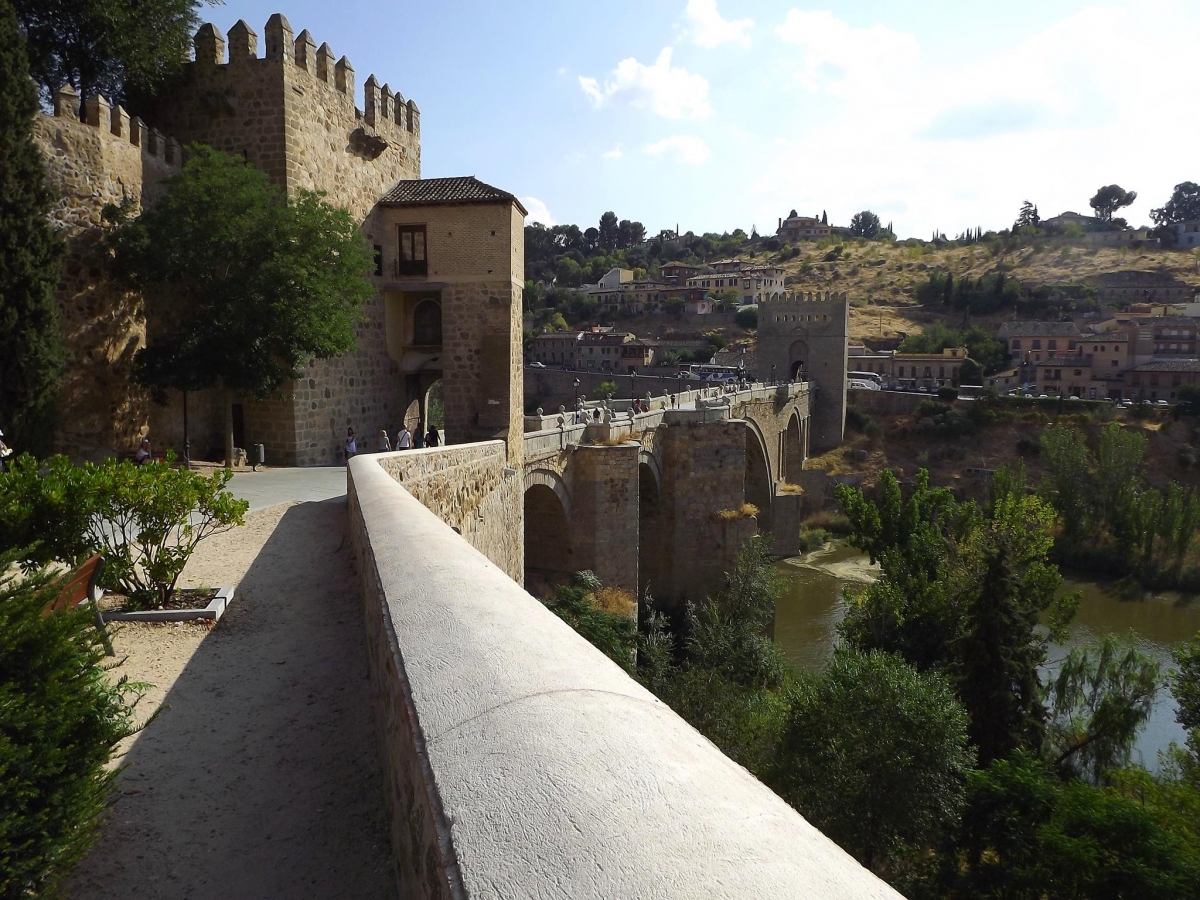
<point x="634" y="496"/>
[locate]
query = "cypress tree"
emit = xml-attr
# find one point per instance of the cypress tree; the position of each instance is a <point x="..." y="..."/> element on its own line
<point x="31" y="353"/>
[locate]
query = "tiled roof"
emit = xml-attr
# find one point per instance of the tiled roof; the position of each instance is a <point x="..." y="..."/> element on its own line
<point x="446" y="191"/>
<point x="1040" y="329"/>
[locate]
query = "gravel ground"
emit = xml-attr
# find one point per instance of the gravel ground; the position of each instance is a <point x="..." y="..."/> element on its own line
<point x="259" y="777"/>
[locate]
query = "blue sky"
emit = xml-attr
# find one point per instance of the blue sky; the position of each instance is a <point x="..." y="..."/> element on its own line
<point x="717" y="114"/>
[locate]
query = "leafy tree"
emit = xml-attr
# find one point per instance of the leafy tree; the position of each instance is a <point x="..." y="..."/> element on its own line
<point x="983" y="346"/>
<point x="31" y="353"/>
<point x="1100" y="698"/>
<point x="1185" y="685"/>
<point x="865" y="224"/>
<point x="609" y="232"/>
<point x="604" y="389"/>
<point x="1027" y="836"/>
<point x="1109" y="199"/>
<point x="962" y="589"/>
<point x="107" y="46"/>
<point x="1184" y="205"/>
<point x="630" y="234"/>
<point x="875" y="755"/>
<point x="62" y="718"/>
<point x="241" y="286"/>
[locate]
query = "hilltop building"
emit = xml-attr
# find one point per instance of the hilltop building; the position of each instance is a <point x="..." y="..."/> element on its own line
<point x="802" y="228"/>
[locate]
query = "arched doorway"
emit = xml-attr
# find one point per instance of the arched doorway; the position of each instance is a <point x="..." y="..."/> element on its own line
<point x="759" y="488"/>
<point x="793" y="449"/>
<point x="798" y="361"/>
<point x="547" y="539"/>
<point x="654" y="540"/>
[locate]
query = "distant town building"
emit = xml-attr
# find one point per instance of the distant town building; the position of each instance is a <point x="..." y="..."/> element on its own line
<point x="753" y="283"/>
<point x="1185" y="234"/>
<point x="1031" y="341"/>
<point x="676" y="272"/>
<point x="909" y="370"/>
<point x="600" y="349"/>
<point x="1124" y="288"/>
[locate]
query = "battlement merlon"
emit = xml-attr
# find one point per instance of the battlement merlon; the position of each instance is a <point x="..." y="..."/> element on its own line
<point x="382" y="108"/>
<point x="799" y="299"/>
<point x="114" y="121"/>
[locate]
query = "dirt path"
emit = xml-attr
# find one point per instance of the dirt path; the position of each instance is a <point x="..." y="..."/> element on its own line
<point x="260" y="777"/>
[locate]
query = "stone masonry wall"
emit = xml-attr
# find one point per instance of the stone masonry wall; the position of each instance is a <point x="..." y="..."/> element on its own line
<point x="292" y="113"/>
<point x="703" y="471"/>
<point x="107" y="159"/>
<point x="604" y="512"/>
<point x="473" y="490"/>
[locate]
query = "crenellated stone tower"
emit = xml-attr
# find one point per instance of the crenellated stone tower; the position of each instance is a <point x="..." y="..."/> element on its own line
<point x="449" y="254"/>
<point x="806" y="335"/>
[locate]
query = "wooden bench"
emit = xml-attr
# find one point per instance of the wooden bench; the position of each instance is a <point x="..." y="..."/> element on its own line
<point x="83" y="585"/>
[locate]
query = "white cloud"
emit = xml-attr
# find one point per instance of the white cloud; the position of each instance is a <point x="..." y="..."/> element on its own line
<point x="707" y="29"/>
<point x="933" y="142"/>
<point x="684" y="148"/>
<point x="538" y="211"/>
<point x="614" y="153"/>
<point x="670" y="92"/>
<point x="838" y="56"/>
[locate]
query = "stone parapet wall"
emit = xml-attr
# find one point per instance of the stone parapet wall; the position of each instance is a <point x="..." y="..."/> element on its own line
<point x="521" y="762"/>
<point x="473" y="490"/>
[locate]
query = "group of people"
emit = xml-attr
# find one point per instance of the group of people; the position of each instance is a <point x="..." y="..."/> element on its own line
<point x="405" y="440"/>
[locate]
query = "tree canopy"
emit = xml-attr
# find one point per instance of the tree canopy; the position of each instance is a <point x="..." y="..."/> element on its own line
<point x="1184" y="205"/>
<point x="107" y="46"/>
<point x="875" y="754"/>
<point x="241" y="286"/>
<point x="31" y="353"/>
<point x="865" y="224"/>
<point x="1109" y="199"/>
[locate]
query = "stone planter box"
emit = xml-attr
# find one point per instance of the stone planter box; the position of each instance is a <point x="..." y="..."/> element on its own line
<point x="215" y="609"/>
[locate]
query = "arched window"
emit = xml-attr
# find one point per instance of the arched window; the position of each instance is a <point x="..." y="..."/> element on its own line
<point x="427" y="324"/>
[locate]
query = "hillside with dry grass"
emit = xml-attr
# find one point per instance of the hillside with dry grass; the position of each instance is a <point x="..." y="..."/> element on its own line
<point x="881" y="278"/>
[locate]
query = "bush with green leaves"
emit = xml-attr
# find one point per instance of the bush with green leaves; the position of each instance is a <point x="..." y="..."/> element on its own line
<point x="747" y="318"/>
<point x="616" y="636"/>
<point x="145" y="520"/>
<point x="61" y="717"/>
<point x="875" y="754"/>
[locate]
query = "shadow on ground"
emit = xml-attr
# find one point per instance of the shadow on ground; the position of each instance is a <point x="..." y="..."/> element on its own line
<point x="260" y="778"/>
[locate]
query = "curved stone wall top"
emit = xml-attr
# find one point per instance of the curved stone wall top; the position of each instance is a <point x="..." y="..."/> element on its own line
<point x="543" y="770"/>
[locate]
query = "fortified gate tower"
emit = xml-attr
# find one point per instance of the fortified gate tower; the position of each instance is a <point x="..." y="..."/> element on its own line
<point x="449" y="256"/>
<point x="804" y="336"/>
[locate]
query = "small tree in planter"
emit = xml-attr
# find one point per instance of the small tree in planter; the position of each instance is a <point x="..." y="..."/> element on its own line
<point x="146" y="520"/>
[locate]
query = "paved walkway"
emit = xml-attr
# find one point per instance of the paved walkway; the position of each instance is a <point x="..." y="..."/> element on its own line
<point x="271" y="486"/>
<point x="260" y="777"/>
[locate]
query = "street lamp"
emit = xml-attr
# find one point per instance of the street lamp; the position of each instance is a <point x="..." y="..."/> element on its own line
<point x="578" y="399"/>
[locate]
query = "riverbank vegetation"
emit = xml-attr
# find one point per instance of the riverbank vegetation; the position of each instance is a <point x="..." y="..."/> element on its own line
<point x="935" y="747"/>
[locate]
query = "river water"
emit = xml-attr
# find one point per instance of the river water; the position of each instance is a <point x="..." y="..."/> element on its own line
<point x="811" y="607"/>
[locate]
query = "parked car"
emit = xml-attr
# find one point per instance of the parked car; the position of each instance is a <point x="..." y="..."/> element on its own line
<point x="537" y="365"/>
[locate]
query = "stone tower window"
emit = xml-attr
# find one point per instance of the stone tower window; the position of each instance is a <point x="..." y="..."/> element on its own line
<point x="427" y="324"/>
<point x="411" y="259"/>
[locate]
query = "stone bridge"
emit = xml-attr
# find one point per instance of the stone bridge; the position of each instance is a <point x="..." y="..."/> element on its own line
<point x="656" y="500"/>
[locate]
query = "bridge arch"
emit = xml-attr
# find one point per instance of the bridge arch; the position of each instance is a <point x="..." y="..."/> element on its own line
<point x="650" y="461"/>
<point x="548" y="545"/>
<point x="793" y="448"/>
<point x="759" y="483"/>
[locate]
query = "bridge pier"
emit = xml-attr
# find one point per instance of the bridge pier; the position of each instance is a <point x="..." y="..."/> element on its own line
<point x="604" y="493"/>
<point x="703" y="475"/>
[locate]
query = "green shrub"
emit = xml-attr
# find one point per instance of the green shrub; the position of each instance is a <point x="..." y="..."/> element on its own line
<point x="813" y="539"/>
<point x="60" y="720"/>
<point x="1027" y="446"/>
<point x="949" y="394"/>
<point x="746" y="318"/>
<point x="614" y="635"/>
<point x="139" y="517"/>
<point x="605" y="388"/>
<point x="856" y="419"/>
